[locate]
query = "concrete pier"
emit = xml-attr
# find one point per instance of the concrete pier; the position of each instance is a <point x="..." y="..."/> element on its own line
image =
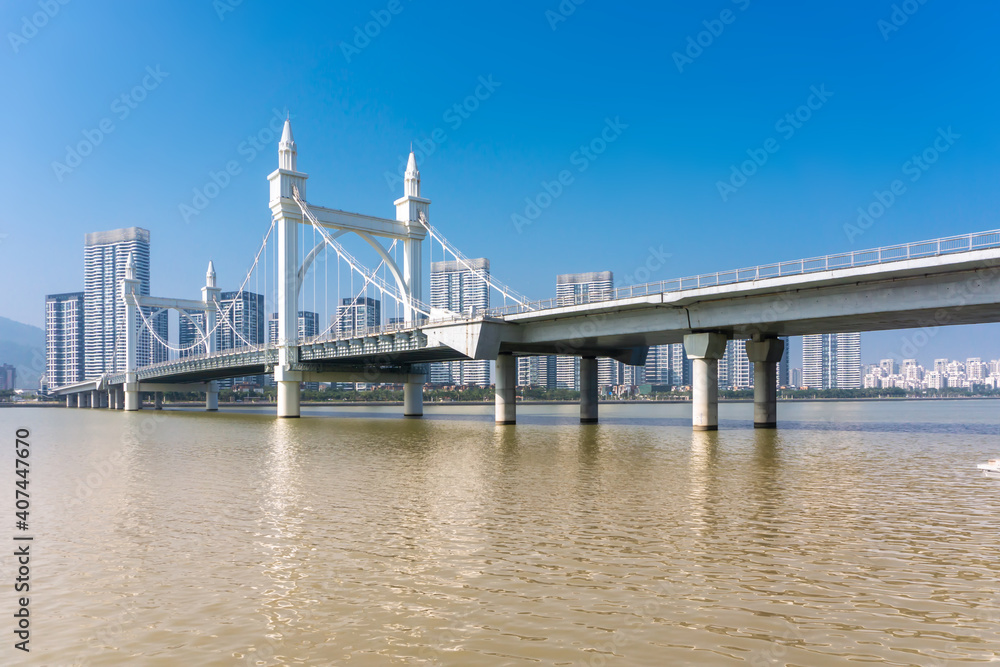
<point x="95" y="399"/>
<point x="765" y="355"/>
<point x="158" y="400"/>
<point x="413" y="399"/>
<point x="70" y="400"/>
<point x="211" y="397"/>
<point x="588" y="390"/>
<point x="506" y="389"/>
<point x="289" y="395"/>
<point x="704" y="350"/>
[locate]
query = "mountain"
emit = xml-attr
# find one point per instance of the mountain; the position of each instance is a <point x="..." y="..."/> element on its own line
<point x="23" y="346"/>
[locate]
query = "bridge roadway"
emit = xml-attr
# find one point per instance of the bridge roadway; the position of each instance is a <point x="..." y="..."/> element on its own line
<point x="918" y="289"/>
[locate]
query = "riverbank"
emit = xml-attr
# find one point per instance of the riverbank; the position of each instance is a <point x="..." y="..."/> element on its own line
<point x="314" y="404"/>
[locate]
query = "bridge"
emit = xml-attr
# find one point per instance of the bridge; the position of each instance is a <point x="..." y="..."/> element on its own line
<point x="948" y="281"/>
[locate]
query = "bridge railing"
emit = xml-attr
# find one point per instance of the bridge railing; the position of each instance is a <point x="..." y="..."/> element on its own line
<point x="857" y="258"/>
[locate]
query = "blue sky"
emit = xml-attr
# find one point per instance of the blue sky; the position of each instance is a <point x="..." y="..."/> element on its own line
<point x="215" y="74"/>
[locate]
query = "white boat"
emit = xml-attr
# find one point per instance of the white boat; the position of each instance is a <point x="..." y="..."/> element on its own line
<point x="993" y="465"/>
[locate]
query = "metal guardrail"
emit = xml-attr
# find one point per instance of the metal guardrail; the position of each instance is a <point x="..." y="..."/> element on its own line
<point x="856" y="258"/>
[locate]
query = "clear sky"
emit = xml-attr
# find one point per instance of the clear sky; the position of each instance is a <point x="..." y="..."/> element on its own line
<point x="883" y="88"/>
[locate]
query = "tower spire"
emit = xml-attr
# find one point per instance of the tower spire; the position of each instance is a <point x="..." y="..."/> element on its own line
<point x="412" y="176"/>
<point x="210" y="275"/>
<point x="130" y="267"/>
<point x="287" y="152"/>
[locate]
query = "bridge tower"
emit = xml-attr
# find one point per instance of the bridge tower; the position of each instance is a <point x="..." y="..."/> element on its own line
<point x="288" y="188"/>
<point x="130" y="292"/>
<point x="409" y="208"/>
<point x="287" y="216"/>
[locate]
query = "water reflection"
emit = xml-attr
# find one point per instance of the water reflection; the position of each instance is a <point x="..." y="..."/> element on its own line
<point x="235" y="538"/>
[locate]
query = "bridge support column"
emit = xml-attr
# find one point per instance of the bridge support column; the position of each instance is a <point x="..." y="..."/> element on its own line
<point x="95" y="399"/>
<point x="288" y="399"/>
<point x="211" y="397"/>
<point x="158" y="400"/>
<point x="131" y="391"/>
<point x="81" y="399"/>
<point x="110" y="398"/>
<point x="588" y="390"/>
<point x="705" y="350"/>
<point x="70" y="401"/>
<point x="506" y="390"/>
<point x="413" y="399"/>
<point x="289" y="391"/>
<point x="765" y="355"/>
<point x="119" y="397"/>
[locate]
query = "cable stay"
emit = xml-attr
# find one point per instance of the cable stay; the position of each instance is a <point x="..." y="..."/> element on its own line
<point x="354" y="302"/>
<point x="223" y="316"/>
<point x="384" y="287"/>
<point x="507" y="292"/>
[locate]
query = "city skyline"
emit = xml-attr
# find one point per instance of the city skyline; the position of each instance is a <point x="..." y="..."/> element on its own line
<point x="672" y="131"/>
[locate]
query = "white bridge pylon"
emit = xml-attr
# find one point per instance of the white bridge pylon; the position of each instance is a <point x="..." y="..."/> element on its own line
<point x="289" y="210"/>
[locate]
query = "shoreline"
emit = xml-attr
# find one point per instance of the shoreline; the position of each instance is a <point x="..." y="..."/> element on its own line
<point x="679" y="401"/>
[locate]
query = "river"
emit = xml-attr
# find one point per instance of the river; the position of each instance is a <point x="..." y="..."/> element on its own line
<point x="858" y="531"/>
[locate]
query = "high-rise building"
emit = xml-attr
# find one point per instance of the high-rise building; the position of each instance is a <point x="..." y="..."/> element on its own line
<point x="537" y="372"/>
<point x="356" y="315"/>
<point x="8" y="377"/>
<point x="460" y="287"/>
<point x="308" y="326"/>
<point x="189" y="331"/>
<point x="832" y="361"/>
<point x="240" y="324"/>
<point x="244" y="320"/>
<point x="105" y="255"/>
<point x="738" y="371"/>
<point x="64" y="351"/>
<point x="784" y="370"/>
<point x="579" y="288"/>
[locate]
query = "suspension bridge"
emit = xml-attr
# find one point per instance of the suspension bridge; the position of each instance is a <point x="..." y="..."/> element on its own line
<point x="949" y="281"/>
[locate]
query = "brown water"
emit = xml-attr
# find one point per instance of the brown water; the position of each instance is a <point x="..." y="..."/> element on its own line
<point x="858" y="532"/>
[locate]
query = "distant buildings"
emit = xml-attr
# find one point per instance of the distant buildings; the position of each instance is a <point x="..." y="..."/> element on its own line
<point x="308" y="326"/>
<point x="8" y="377"/>
<point x="64" y="348"/>
<point x="460" y="287"/>
<point x="831" y="361"/>
<point x="946" y="374"/>
<point x="85" y="331"/>
<point x="537" y="372"/>
<point x="579" y="288"/>
<point x="358" y="314"/>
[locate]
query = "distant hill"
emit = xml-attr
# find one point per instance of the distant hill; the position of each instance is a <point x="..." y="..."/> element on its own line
<point x="23" y="346"/>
